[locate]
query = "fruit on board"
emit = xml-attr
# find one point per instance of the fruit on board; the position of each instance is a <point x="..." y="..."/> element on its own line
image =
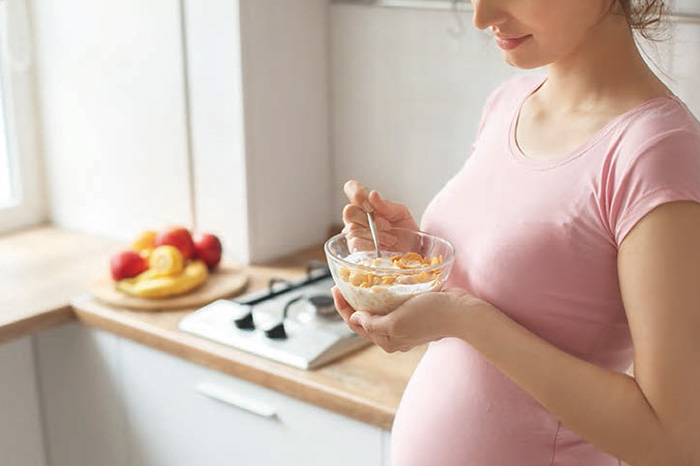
<point x="147" y="286"/>
<point x="127" y="264"/>
<point x="146" y="253"/>
<point x="208" y="249"/>
<point x="166" y="263"/>
<point x="165" y="260"/>
<point x="144" y="241"/>
<point x="179" y="237"/>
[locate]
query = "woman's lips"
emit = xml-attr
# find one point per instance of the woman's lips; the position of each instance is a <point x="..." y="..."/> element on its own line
<point x="509" y="43"/>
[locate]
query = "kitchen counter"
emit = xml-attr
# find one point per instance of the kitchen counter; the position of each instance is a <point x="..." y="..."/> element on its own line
<point x="44" y="273"/>
<point x="41" y="269"/>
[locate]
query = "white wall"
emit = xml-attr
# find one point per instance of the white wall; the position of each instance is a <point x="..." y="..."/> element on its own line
<point x="114" y="116"/>
<point x="288" y="100"/>
<point x="112" y="113"/>
<point x="407" y="95"/>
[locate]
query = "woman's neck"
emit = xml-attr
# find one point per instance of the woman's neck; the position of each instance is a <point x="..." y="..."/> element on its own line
<point x="607" y="70"/>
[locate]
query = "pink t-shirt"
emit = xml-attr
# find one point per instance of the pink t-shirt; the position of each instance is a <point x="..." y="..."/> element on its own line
<point x="538" y="239"/>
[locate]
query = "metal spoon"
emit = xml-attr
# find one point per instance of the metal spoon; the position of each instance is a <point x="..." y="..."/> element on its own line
<point x="373" y="230"/>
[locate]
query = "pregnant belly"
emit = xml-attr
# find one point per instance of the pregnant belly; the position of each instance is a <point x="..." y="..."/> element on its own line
<point x="459" y="410"/>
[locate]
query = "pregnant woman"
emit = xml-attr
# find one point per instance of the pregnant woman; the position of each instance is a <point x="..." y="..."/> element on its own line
<point x="576" y="223"/>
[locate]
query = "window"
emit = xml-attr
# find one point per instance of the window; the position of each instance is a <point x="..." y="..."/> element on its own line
<point x="6" y="190"/>
<point x="21" y="201"/>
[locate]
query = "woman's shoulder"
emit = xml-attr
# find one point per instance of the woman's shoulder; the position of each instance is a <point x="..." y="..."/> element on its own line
<point x="661" y="121"/>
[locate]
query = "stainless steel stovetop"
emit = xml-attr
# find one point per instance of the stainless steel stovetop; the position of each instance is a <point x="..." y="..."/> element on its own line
<point x="294" y="323"/>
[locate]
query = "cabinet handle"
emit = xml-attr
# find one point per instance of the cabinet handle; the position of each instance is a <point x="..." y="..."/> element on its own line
<point x="218" y="393"/>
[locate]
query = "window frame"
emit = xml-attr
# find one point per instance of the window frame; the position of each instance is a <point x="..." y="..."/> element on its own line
<point x="19" y="94"/>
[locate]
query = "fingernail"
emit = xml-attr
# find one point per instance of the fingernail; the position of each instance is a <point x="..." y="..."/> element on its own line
<point x="367" y="206"/>
<point x="355" y="319"/>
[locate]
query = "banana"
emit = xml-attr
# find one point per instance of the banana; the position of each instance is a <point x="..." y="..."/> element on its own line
<point x="146" y="285"/>
<point x="165" y="261"/>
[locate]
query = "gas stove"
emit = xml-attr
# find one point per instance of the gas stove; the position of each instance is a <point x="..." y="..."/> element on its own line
<point x="292" y="322"/>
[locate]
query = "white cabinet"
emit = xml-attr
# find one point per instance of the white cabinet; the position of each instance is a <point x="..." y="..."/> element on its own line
<point x="113" y="402"/>
<point x="172" y="422"/>
<point x="20" y="426"/>
<point x="81" y="395"/>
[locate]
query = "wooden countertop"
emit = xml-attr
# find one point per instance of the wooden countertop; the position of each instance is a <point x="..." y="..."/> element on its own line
<point x="39" y="274"/>
<point x="41" y="269"/>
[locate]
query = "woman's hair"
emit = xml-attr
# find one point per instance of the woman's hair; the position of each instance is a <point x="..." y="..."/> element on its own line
<point x="648" y="17"/>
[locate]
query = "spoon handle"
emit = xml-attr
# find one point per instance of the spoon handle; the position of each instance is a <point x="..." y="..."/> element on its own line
<point x="373" y="230"/>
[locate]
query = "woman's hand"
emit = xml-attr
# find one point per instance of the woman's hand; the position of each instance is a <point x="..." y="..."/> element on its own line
<point x="423" y="318"/>
<point x="387" y="215"/>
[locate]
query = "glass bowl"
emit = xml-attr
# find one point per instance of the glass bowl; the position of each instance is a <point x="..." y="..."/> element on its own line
<point x="417" y="263"/>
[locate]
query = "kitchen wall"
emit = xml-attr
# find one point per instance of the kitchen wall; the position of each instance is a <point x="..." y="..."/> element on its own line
<point x="112" y="113"/>
<point x="247" y="117"/>
<point x="407" y="94"/>
<point x="120" y="83"/>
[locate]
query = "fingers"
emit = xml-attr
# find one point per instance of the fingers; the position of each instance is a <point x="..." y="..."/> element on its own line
<point x="353" y="214"/>
<point x="346" y="311"/>
<point x="379" y="330"/>
<point x="394" y="212"/>
<point x="360" y="238"/>
<point x="341" y="305"/>
<point x="357" y="195"/>
<point x="372" y="324"/>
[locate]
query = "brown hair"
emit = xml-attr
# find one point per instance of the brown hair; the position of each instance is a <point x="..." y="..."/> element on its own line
<point x="648" y="17"/>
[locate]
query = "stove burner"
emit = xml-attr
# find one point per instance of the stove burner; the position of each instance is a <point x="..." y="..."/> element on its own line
<point x="323" y="304"/>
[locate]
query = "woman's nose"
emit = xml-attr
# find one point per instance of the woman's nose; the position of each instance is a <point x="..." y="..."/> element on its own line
<point x="487" y="13"/>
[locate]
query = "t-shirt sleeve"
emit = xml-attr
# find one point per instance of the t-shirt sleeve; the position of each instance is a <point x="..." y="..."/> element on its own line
<point x="664" y="169"/>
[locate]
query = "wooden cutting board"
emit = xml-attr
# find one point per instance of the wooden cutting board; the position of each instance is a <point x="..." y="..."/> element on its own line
<point x="225" y="282"/>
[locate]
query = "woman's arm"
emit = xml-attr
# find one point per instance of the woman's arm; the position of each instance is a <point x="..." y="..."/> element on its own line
<point x="652" y="419"/>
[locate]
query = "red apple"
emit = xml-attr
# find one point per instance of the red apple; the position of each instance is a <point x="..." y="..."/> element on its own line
<point x="180" y="238"/>
<point x="127" y="264"/>
<point x="208" y="249"/>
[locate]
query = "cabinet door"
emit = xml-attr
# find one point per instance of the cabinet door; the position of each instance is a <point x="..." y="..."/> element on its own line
<point x="386" y="445"/>
<point x="20" y="424"/>
<point x="81" y="395"/>
<point x="181" y="414"/>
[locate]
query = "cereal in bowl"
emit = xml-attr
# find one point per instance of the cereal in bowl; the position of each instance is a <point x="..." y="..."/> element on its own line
<point x="384" y="291"/>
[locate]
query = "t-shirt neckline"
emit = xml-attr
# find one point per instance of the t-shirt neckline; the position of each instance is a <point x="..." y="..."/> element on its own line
<point x="553" y="162"/>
